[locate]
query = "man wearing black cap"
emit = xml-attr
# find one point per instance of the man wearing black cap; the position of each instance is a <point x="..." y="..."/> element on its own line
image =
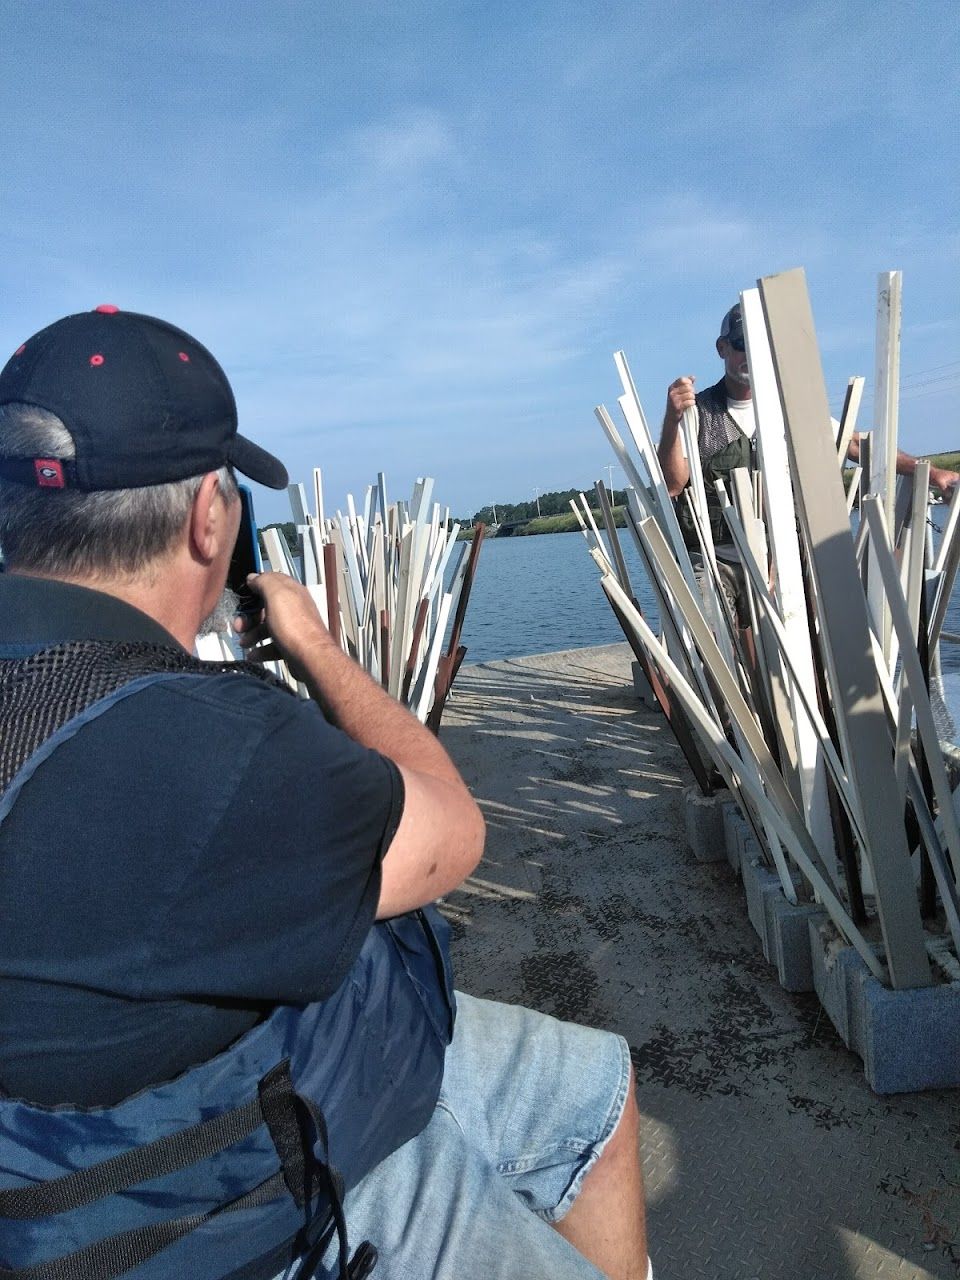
<point x="225" y="1009"/>
<point x="726" y="430"/>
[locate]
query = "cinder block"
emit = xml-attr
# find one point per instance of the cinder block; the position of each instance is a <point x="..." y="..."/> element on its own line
<point x="641" y="686"/>
<point x="788" y="932"/>
<point x="749" y="853"/>
<point x="735" y="832"/>
<point x="830" y="961"/>
<point x="703" y="816"/>
<point x="908" y="1040"/>
<point x="759" y="884"/>
<point x="730" y="819"/>
<point x="911" y="1039"/>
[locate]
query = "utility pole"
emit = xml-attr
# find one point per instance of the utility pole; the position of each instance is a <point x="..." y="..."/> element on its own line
<point x="536" y="495"/>
<point x="609" y="471"/>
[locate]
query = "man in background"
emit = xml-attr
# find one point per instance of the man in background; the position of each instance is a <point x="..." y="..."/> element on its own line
<point x="726" y="440"/>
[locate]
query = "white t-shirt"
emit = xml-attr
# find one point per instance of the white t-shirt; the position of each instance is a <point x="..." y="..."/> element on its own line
<point x="741" y="411"/>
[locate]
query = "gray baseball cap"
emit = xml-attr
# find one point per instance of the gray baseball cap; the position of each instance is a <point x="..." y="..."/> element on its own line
<point x="731" y="326"/>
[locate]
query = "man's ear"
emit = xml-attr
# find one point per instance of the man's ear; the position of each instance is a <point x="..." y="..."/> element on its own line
<point x="720" y="345"/>
<point x="208" y="526"/>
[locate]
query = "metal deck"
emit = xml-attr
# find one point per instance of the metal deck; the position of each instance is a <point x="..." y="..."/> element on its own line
<point x="766" y="1155"/>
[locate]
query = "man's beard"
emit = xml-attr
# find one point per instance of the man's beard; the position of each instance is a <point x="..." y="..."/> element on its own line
<point x="221" y="616"/>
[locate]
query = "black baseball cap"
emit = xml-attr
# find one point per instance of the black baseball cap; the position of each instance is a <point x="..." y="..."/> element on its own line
<point x="145" y="403"/>
<point x="731" y="326"/>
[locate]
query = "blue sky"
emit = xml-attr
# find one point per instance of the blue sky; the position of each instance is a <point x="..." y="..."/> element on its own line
<point x="414" y="233"/>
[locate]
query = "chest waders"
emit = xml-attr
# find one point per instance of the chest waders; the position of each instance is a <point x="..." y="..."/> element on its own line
<point x="238" y="1166"/>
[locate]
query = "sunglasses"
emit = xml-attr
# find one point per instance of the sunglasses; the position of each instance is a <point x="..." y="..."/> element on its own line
<point x="738" y="344"/>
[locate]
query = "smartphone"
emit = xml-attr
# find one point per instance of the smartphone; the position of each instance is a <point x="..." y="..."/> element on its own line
<point x="246" y="556"/>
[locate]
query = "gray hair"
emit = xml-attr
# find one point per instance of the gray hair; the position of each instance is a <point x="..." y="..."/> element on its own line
<point x="70" y="533"/>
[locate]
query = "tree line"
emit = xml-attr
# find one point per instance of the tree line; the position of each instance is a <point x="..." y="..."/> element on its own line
<point x="556" y="503"/>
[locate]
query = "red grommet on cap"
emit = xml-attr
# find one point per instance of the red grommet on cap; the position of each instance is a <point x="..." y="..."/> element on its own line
<point x="184" y="357"/>
<point x="96" y="360"/>
<point x="107" y="309"/>
<point x="21" y="349"/>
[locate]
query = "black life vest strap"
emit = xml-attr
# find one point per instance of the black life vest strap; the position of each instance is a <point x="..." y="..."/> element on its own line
<point x="365" y="1259"/>
<point x="111" y="1258"/>
<point x="277" y="1105"/>
<point x="166" y="1155"/>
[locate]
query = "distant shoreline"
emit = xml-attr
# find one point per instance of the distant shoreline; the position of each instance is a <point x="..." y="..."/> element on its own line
<point x="540" y="524"/>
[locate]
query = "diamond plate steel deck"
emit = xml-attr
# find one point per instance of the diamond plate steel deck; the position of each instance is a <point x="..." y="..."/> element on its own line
<point x="767" y="1157"/>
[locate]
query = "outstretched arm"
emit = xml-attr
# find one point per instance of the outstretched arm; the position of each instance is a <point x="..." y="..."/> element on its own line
<point x="940" y="478"/>
<point x="440" y="837"/>
<point x="676" y="471"/>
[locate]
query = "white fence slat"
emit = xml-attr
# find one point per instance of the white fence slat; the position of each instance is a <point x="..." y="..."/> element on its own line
<point x="842" y="618"/>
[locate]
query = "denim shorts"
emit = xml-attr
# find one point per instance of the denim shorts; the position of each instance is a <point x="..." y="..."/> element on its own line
<point x="526" y="1107"/>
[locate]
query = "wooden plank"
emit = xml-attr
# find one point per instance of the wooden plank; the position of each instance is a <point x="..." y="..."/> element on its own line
<point x="690" y="670"/>
<point x="298" y="504"/>
<point x="357" y="536"/>
<point x="333" y="591"/>
<point x="275" y="545"/>
<point x="606" y="510"/>
<point x="318" y="496"/>
<point x="913" y="673"/>
<point x="806" y="701"/>
<point x="853" y="487"/>
<point x="633" y="415"/>
<point x="884" y="437"/>
<point x="424" y="693"/>
<point x="754" y="752"/>
<point x="712" y="602"/>
<point x="842" y="619"/>
<point x="948" y="562"/>
<point x="312" y="556"/>
<point x="679" y="641"/>
<point x="886" y="398"/>
<point x="352" y="565"/>
<point x="627" y="464"/>
<point x="903" y="507"/>
<point x="794" y="834"/>
<point x="401" y="610"/>
<point x="763" y="671"/>
<point x="788" y="586"/>
<point x="848" y="417"/>
<point x="673" y="713"/>
<point x="911" y="581"/>
<point x="410" y="667"/>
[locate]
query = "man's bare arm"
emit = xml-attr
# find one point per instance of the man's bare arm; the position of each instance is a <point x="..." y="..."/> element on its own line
<point x="940" y="478"/>
<point x="676" y="470"/>
<point x="440" y="837"/>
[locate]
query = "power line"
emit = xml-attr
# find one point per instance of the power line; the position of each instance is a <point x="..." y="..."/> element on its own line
<point x="919" y="373"/>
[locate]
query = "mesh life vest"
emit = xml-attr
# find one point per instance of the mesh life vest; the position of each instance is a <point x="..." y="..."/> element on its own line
<point x="238" y="1166"/>
<point x="719" y="455"/>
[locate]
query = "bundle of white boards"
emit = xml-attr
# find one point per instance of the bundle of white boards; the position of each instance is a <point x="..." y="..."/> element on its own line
<point x="818" y="716"/>
<point x="391" y="583"/>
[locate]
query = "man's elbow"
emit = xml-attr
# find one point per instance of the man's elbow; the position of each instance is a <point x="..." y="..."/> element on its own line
<point x="475" y="837"/>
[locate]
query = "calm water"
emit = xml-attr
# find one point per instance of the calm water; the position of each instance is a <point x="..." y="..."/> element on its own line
<point x="542" y="593"/>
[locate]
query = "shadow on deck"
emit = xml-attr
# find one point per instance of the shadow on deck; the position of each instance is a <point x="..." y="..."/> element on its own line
<point x="766" y="1154"/>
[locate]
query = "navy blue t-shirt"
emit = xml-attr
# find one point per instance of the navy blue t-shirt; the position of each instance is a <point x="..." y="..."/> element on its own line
<point x="205" y="849"/>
